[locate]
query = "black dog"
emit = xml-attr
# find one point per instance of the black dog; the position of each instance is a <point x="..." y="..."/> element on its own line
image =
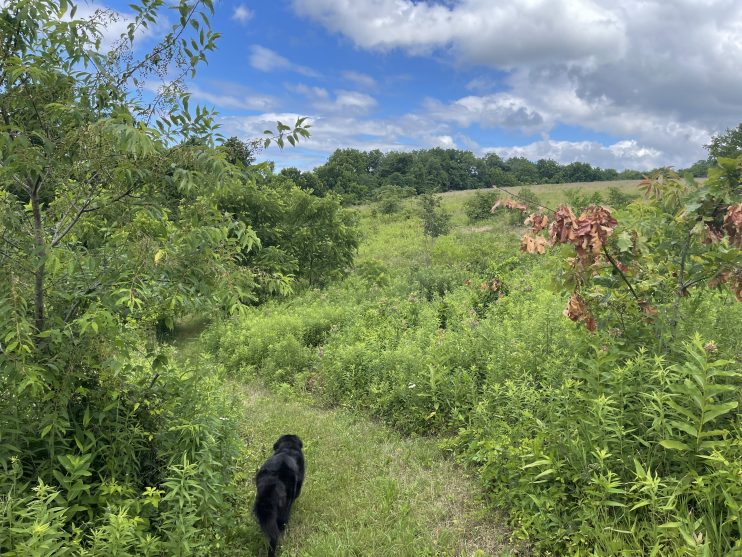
<point x="279" y="483"/>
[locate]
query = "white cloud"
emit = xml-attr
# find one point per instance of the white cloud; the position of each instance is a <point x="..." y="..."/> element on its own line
<point x="344" y="102"/>
<point x="662" y="73"/>
<point x="330" y="131"/>
<point x="445" y="141"/>
<point x="360" y="79"/>
<point x="479" y="31"/>
<point x="231" y="95"/>
<point x="620" y="155"/>
<point x="309" y="91"/>
<point x="267" y="60"/>
<point x="353" y="101"/>
<point x="498" y="110"/>
<point x="242" y="14"/>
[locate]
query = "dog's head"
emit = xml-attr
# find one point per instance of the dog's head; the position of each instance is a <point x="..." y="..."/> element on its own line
<point x="291" y="442"/>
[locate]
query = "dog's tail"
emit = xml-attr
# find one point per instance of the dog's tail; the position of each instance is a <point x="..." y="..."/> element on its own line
<point x="269" y="499"/>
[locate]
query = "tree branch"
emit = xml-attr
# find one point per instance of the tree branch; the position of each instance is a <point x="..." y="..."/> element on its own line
<point x="522" y="198"/>
<point x="620" y="272"/>
<point x="60" y="235"/>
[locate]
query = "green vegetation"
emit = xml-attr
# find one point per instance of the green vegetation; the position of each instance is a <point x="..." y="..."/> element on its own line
<point x="117" y="216"/>
<point x="726" y="145"/>
<point x="611" y="426"/>
<point x="360" y="176"/>
<point x="619" y="433"/>
<point x="369" y="491"/>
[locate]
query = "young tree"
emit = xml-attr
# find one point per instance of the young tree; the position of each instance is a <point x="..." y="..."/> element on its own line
<point x="109" y="222"/>
<point x="436" y="220"/>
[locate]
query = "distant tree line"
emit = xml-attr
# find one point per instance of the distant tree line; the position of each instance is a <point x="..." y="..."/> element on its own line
<point x="363" y="175"/>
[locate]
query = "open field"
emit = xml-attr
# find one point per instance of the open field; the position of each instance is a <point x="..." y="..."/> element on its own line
<point x="549" y="194"/>
<point x="463" y="338"/>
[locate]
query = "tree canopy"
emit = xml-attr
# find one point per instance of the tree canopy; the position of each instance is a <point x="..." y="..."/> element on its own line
<point x="358" y="175"/>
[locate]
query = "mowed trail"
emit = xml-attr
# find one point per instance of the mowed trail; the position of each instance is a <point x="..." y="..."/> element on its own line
<point x="368" y="490"/>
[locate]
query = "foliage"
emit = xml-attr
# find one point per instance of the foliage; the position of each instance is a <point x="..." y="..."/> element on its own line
<point x="698" y="169"/>
<point x="529" y="197"/>
<point x="390" y="198"/>
<point x="609" y="442"/>
<point x="618" y="199"/>
<point x="301" y="235"/>
<point x="683" y="236"/>
<point x="357" y="176"/>
<point x="727" y="144"/>
<point x="238" y="152"/>
<point x="514" y="206"/>
<point x="478" y="207"/>
<point x="435" y="219"/>
<point x="110" y="222"/>
<point x="580" y="200"/>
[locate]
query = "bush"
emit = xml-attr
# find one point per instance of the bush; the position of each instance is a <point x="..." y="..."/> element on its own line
<point x="579" y="199"/>
<point x="139" y="459"/>
<point x="618" y="199"/>
<point x="436" y="220"/>
<point x="478" y="206"/>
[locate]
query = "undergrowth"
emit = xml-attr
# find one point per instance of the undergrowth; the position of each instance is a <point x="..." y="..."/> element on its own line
<point x="594" y="443"/>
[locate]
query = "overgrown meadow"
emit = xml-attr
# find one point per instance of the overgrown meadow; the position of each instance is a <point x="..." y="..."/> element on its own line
<point x="624" y="439"/>
<point x="582" y="358"/>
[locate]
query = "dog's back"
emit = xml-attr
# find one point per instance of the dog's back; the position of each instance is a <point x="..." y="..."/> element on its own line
<point x="279" y="483"/>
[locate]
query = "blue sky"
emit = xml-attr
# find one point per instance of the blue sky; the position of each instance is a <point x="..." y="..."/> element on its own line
<point x="636" y="83"/>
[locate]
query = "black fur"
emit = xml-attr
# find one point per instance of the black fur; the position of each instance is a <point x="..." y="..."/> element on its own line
<point x="279" y="483"/>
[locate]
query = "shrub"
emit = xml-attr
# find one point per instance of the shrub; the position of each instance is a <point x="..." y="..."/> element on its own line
<point x="579" y="199"/>
<point x="478" y="206"/>
<point x="436" y="220"/>
<point x="618" y="199"/>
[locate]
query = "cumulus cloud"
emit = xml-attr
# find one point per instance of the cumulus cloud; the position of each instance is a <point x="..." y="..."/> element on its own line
<point x="664" y="74"/>
<point x="479" y="31"/>
<point x="267" y="60"/>
<point x="619" y="155"/>
<point x="242" y="14"/>
<point x="333" y="130"/>
<point x="499" y="110"/>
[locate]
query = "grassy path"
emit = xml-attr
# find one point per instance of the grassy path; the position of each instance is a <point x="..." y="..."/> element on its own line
<point x="369" y="491"/>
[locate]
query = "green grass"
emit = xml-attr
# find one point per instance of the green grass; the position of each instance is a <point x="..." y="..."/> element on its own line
<point x="491" y="376"/>
<point x="368" y="490"/>
<point x="550" y="195"/>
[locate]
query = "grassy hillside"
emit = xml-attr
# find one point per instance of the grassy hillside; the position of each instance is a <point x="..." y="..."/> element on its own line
<point x="573" y="433"/>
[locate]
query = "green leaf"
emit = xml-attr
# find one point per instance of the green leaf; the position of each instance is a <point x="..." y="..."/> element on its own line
<point x="625" y="243"/>
<point x="674" y="445"/>
<point x="718" y="410"/>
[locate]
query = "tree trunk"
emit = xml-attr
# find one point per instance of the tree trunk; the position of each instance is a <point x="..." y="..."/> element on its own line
<point x="40" y="244"/>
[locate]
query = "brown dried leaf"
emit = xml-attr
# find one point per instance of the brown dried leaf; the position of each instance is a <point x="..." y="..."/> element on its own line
<point x="537" y="222"/>
<point x="577" y="310"/>
<point x="533" y="244"/>
<point x="711" y="235"/>
<point x="733" y="224"/>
